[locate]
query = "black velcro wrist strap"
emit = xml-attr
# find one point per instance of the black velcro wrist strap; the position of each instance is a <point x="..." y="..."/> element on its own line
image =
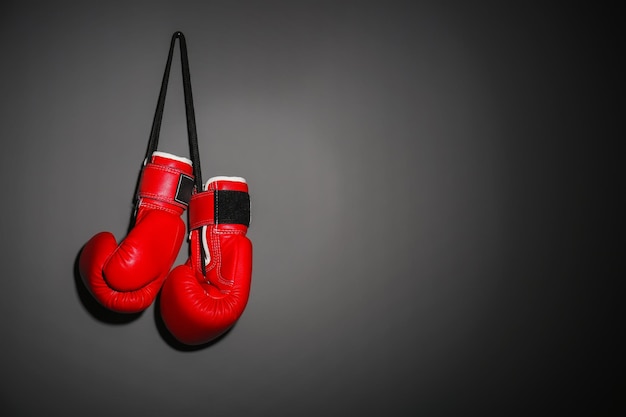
<point x="232" y="207"/>
<point x="184" y="190"/>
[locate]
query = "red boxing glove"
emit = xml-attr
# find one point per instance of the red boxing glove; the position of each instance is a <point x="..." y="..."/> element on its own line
<point x="127" y="277"/>
<point x="199" y="305"/>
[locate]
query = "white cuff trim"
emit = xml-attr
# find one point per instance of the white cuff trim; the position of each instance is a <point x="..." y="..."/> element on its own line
<point x="174" y="157"/>
<point x="223" y="178"/>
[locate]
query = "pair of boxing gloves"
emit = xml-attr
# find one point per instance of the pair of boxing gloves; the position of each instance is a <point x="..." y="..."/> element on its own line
<point x="201" y="299"/>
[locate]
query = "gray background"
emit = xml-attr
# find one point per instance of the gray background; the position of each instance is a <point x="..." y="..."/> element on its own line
<point x="433" y="206"/>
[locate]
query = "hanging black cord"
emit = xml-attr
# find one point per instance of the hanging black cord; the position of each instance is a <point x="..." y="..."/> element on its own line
<point x="189" y="109"/>
<point x="190" y="114"/>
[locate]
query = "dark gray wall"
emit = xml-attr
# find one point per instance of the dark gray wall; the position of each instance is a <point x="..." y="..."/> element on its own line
<point x="433" y="206"/>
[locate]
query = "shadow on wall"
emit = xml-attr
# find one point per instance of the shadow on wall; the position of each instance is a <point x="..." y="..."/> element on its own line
<point x="104" y="315"/>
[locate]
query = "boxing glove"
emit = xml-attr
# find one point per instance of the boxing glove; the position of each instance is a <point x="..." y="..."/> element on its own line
<point x="126" y="277"/>
<point x="203" y="298"/>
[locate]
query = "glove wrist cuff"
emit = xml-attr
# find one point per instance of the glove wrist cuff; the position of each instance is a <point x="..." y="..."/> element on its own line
<point x="216" y="207"/>
<point x="167" y="183"/>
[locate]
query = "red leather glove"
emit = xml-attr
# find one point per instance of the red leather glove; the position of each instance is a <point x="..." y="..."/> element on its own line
<point x="199" y="305"/>
<point x="126" y="277"/>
